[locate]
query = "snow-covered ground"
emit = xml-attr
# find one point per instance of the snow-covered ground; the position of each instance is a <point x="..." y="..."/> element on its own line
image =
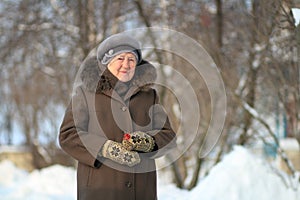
<point x="239" y="176"/>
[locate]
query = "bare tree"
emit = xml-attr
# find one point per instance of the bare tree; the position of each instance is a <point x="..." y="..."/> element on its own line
<point x="253" y="43"/>
<point x="42" y="47"/>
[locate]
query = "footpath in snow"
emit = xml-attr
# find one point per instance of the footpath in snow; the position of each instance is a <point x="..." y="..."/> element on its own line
<point x="239" y="176"/>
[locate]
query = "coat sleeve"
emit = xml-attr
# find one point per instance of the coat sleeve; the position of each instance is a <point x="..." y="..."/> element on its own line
<point x="74" y="137"/>
<point x="163" y="134"/>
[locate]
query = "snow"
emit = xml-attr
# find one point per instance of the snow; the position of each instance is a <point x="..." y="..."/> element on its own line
<point x="243" y="176"/>
<point x="240" y="175"/>
<point x="251" y="110"/>
<point x="52" y="183"/>
<point x="289" y="144"/>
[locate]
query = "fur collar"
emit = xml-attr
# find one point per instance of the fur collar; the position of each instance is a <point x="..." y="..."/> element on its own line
<point x="93" y="80"/>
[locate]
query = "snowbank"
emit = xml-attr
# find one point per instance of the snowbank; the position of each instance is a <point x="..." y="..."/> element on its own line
<point x="52" y="183"/>
<point x="240" y="176"/>
<point x="243" y="176"/>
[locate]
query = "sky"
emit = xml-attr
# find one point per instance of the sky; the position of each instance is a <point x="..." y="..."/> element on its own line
<point x="296" y="13"/>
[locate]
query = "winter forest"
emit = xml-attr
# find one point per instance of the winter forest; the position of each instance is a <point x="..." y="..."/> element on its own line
<point x="253" y="44"/>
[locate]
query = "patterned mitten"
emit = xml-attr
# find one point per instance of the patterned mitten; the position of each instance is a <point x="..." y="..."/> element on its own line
<point x="138" y="141"/>
<point x="117" y="152"/>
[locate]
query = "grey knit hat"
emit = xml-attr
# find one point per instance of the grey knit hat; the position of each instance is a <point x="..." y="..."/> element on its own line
<point x="116" y="44"/>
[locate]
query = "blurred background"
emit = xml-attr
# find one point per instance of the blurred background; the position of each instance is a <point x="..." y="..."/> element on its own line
<point x="253" y="42"/>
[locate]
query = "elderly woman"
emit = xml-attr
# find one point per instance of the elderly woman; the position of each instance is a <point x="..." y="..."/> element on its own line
<point x="114" y="126"/>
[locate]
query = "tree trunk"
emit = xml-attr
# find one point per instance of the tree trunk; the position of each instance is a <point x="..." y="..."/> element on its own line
<point x="219" y="24"/>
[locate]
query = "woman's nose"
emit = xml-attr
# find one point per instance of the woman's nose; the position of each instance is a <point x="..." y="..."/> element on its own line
<point x="125" y="63"/>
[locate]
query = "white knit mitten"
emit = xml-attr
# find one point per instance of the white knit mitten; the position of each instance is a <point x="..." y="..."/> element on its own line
<point x="117" y="152"/>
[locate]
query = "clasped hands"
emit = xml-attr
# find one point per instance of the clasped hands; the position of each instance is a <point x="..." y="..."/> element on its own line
<point x="126" y="153"/>
<point x="138" y="141"/>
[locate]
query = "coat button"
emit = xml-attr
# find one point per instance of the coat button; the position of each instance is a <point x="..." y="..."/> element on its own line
<point x="124" y="108"/>
<point x="128" y="184"/>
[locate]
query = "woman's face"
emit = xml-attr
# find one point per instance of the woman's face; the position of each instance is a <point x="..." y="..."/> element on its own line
<point x="123" y="66"/>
